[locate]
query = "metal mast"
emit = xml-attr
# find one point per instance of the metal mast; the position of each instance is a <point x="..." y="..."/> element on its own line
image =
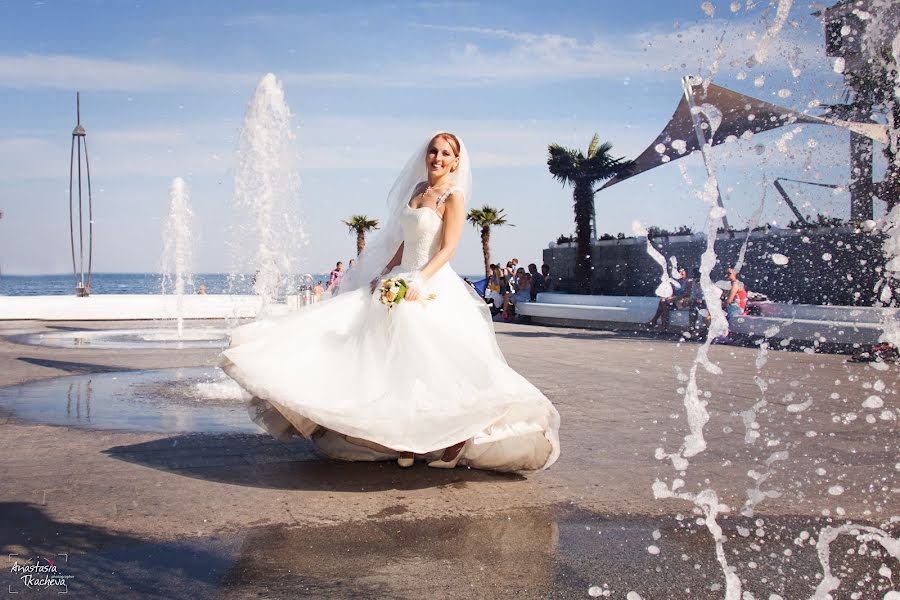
<point x="79" y="139"/>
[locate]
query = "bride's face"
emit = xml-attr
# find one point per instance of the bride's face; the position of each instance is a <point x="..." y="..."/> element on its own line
<point x="440" y="159"/>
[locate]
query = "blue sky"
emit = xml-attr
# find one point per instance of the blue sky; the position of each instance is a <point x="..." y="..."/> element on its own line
<point x="165" y="84"/>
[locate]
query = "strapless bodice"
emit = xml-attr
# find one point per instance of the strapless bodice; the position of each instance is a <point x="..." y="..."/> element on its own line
<point x="421" y="236"/>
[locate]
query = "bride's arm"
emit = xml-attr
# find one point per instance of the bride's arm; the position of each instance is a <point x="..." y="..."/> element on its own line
<point x="394" y="261"/>
<point x="398" y="256"/>
<point x="454" y="221"/>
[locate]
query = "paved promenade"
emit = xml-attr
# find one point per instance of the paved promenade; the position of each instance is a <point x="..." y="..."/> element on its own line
<point x="239" y="515"/>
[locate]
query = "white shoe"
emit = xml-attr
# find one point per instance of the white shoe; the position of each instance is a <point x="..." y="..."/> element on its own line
<point x="451" y="464"/>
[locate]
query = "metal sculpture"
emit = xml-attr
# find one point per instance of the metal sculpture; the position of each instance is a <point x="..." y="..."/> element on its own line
<point x="79" y="139"/>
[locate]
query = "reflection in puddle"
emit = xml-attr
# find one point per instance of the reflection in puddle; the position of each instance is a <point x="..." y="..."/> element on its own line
<point x="74" y="401"/>
<point x="167" y="400"/>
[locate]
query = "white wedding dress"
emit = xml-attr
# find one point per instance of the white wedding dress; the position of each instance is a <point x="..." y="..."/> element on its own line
<point x="364" y="382"/>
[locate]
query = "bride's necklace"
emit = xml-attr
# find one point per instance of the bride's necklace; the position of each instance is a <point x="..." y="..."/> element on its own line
<point x="435" y="188"/>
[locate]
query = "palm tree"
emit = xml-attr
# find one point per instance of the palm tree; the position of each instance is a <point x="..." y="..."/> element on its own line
<point x="582" y="172"/>
<point x="361" y="224"/>
<point x="485" y="218"/>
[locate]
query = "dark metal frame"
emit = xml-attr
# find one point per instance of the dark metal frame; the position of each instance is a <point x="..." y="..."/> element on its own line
<point x="788" y="200"/>
<point x="79" y="138"/>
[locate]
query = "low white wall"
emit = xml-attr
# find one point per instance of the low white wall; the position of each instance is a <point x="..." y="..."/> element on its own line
<point x="825" y="324"/>
<point x="126" y="307"/>
<point x="813" y="312"/>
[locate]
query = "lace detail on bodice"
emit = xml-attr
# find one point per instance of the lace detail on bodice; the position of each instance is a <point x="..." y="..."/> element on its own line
<point x="422" y="228"/>
<point x="421" y="236"/>
<point x="446" y="194"/>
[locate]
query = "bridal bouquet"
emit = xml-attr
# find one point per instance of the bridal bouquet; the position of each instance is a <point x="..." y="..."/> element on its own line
<point x="393" y="290"/>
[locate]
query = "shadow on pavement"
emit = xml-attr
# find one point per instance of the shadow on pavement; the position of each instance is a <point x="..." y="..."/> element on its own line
<point x="71" y="367"/>
<point x="608" y="335"/>
<point x="263" y="462"/>
<point x="104" y="563"/>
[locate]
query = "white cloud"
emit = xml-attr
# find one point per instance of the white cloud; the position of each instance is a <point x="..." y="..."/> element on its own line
<point x="384" y="142"/>
<point x="76" y="72"/>
<point x="718" y="44"/>
<point x="510" y="56"/>
<point x="100" y="74"/>
<point x="120" y="153"/>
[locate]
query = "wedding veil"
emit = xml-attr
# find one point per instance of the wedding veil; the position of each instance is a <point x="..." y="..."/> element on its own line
<point x="384" y="244"/>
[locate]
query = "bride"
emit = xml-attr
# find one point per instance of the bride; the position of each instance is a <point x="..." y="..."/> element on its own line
<point x="423" y="379"/>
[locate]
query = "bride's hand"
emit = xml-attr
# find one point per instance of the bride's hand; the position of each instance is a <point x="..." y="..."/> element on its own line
<point x="412" y="293"/>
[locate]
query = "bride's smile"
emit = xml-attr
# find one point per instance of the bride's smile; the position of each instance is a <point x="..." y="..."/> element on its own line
<point x="441" y="159"/>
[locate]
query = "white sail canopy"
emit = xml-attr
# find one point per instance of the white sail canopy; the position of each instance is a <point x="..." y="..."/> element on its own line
<point x="740" y="116"/>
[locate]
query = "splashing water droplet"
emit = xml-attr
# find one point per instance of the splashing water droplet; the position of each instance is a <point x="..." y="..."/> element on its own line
<point x="784" y="93"/>
<point x="780" y="259"/>
<point x="760" y="81"/>
<point x="836" y="490"/>
<point x="826" y="256"/>
<point x="873" y="402"/>
<point x="709" y="9"/>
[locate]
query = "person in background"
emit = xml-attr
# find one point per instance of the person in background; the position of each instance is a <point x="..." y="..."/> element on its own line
<point x="734" y="303"/>
<point x="520" y="293"/>
<point x="736" y="299"/>
<point x="351" y="263"/>
<point x="537" y="282"/>
<point x="318" y="290"/>
<point x="334" y="280"/>
<point x="494" y="292"/>
<point x="515" y="265"/>
<point x="505" y="291"/>
<point x="679" y="301"/>
<point x="202" y="289"/>
<point x="549" y="282"/>
<point x="510" y="271"/>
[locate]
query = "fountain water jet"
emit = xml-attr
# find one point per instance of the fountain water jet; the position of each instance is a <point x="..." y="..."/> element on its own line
<point x="177" y="248"/>
<point x="266" y="188"/>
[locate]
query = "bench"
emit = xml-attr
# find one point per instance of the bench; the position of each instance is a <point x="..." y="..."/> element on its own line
<point x="799" y="322"/>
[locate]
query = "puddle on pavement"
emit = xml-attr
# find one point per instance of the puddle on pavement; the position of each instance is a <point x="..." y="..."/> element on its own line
<point x="149" y="338"/>
<point x="181" y="400"/>
<point x="550" y="552"/>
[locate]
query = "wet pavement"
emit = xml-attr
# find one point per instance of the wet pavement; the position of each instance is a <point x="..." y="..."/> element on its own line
<point x="195" y="399"/>
<point x="175" y="510"/>
<point x="558" y="552"/>
<point x="161" y="336"/>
